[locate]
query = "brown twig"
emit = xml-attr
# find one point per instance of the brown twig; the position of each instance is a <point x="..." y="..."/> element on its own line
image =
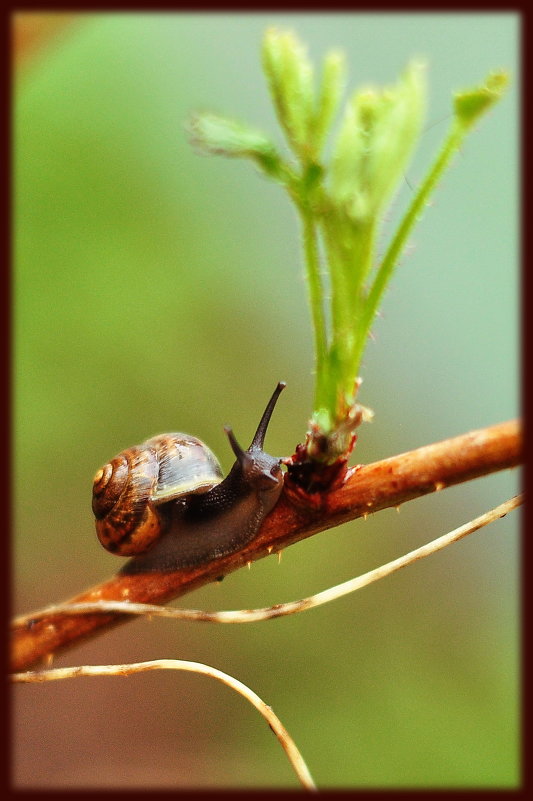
<point x="367" y="489"/>
<point x="279" y="609"/>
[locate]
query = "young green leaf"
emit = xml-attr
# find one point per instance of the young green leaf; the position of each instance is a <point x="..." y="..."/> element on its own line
<point x="213" y="133"/>
<point x="470" y="104"/>
<point x="330" y="94"/>
<point x="377" y="136"/>
<point x="290" y="76"/>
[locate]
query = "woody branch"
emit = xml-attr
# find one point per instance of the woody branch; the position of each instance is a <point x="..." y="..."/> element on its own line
<point x="367" y="489"/>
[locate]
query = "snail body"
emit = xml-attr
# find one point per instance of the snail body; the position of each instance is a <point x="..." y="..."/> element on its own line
<point x="166" y="503"/>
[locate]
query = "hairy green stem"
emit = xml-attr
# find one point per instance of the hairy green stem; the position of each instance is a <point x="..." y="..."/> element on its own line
<point x="316" y="294"/>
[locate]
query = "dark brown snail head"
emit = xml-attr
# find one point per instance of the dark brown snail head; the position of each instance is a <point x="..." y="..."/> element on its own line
<point x="257" y="467"/>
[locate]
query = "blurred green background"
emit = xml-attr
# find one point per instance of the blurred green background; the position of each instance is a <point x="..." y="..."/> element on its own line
<point x="156" y="290"/>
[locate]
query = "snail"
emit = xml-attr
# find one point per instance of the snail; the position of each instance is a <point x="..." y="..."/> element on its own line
<point x="166" y="503"/>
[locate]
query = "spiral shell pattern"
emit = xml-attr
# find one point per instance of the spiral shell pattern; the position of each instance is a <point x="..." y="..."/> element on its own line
<point x="128" y="490"/>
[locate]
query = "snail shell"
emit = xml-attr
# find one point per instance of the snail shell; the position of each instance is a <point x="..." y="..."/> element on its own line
<point x="128" y="490"/>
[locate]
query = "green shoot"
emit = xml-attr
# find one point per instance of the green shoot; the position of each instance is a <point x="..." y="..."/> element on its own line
<point x="341" y="203"/>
